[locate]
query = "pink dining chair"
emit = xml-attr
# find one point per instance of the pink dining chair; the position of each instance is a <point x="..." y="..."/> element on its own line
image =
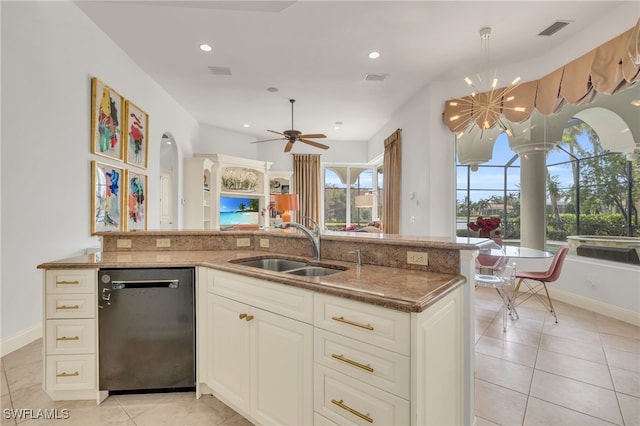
<point x="541" y="278"/>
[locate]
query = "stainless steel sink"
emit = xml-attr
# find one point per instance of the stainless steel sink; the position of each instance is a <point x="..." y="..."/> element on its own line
<point x="313" y="271"/>
<point x="273" y="264"/>
<point x="289" y="266"/>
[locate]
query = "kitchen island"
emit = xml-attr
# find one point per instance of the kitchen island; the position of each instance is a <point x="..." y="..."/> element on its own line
<point x="385" y="341"/>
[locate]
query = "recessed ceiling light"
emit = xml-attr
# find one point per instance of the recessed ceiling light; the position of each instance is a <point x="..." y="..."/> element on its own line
<point x="374" y="55"/>
<point x="245" y="125"/>
<point x="205" y="47"/>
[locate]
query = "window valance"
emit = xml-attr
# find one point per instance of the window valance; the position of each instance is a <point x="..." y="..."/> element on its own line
<point x="609" y="68"/>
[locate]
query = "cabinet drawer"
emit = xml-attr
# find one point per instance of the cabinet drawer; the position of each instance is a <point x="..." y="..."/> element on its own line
<point x="344" y="400"/>
<point x="282" y="299"/>
<point x="319" y="420"/>
<point x="372" y="324"/>
<point x="71" y="281"/>
<point x="71" y="306"/>
<point x="379" y="367"/>
<point x="68" y="372"/>
<point x="71" y="336"/>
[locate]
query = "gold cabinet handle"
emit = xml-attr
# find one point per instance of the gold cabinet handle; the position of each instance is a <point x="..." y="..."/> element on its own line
<point x="68" y="307"/>
<point x="242" y="316"/>
<point x="351" y="410"/>
<point x="249" y="318"/>
<point x="356" y="324"/>
<point x="64" y="374"/>
<point x="68" y="338"/>
<point x="68" y="282"/>
<point x="352" y="362"/>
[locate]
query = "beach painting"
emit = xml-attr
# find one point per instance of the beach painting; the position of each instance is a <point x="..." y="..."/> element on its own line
<point x="239" y="211"/>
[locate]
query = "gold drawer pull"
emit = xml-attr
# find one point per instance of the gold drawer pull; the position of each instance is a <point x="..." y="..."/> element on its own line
<point x="351" y="410"/>
<point x="68" y="338"/>
<point x="249" y="317"/>
<point x="242" y="316"/>
<point x="352" y="362"/>
<point x="63" y="374"/>
<point x="68" y="282"/>
<point x="341" y="319"/>
<point x="68" y="307"/>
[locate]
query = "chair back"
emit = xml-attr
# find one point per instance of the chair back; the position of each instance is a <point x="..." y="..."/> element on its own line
<point x="556" y="264"/>
<point x="491" y="264"/>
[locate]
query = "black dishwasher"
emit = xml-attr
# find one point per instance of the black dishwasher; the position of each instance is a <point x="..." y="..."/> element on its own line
<point x="146" y="327"/>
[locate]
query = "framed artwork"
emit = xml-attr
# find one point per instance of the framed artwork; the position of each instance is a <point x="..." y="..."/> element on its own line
<point x="106" y="120"/>
<point x="136" y="201"/>
<point x="106" y="197"/>
<point x="136" y="129"/>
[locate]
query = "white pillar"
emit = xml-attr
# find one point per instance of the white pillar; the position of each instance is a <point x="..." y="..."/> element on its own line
<point x="533" y="198"/>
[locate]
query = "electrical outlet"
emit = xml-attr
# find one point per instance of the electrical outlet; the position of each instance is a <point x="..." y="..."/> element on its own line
<point x="243" y="242"/>
<point x="123" y="243"/>
<point x="264" y="242"/>
<point x="163" y="242"/>
<point x="417" y="258"/>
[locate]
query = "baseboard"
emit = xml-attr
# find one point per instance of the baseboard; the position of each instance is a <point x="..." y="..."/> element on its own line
<point x="21" y="339"/>
<point x="595" y="306"/>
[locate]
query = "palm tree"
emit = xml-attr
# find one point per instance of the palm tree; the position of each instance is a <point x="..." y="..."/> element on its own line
<point x="554" y="193"/>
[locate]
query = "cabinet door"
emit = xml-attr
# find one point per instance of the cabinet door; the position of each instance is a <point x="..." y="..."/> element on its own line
<point x="228" y="351"/>
<point x="281" y="370"/>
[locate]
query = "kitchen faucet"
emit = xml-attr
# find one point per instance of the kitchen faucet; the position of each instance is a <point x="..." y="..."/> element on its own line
<point x="313" y="236"/>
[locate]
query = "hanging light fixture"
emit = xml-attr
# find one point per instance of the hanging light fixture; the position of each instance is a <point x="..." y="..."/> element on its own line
<point x="485" y="108"/>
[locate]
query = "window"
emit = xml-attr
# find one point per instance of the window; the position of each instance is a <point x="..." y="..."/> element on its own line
<point x="590" y="190"/>
<point x="346" y="182"/>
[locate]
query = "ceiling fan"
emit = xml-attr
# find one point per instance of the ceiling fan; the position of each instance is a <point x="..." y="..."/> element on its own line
<point x="294" y="135"/>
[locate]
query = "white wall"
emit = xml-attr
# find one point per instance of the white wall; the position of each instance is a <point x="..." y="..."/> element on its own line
<point x="50" y="51"/>
<point x="214" y="140"/>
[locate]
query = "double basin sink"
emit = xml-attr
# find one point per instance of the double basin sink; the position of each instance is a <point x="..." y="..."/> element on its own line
<point x="290" y="266"/>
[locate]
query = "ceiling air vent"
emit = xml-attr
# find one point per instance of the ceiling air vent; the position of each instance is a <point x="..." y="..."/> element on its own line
<point x="220" y="70"/>
<point x="554" y="28"/>
<point x="375" y="77"/>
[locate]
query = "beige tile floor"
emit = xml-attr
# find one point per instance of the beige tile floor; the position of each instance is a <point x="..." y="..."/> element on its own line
<point x="585" y="370"/>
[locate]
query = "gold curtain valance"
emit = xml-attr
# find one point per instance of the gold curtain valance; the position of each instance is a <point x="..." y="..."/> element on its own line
<point x="609" y="68"/>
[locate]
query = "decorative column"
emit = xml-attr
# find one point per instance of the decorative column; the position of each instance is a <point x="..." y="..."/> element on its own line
<point x="532" y="144"/>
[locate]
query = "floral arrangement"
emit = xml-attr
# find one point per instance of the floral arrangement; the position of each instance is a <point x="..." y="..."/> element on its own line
<point x="239" y="180"/>
<point x="485" y="225"/>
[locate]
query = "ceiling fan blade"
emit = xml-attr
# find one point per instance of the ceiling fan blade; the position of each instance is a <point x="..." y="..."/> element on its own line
<point x="273" y="131"/>
<point x="269" y="140"/>
<point x="314" y="143"/>
<point x="289" y="146"/>
<point x="313" y="136"/>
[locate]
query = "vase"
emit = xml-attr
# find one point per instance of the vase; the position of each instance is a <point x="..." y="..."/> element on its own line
<point x="485" y="234"/>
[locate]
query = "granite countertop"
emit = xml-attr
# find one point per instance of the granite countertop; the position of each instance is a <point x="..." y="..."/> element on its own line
<point x="400" y="289"/>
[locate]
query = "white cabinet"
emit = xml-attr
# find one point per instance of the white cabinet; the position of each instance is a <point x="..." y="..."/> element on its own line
<point x="226" y="176"/>
<point x="198" y="194"/>
<point x="259" y="361"/>
<point x="438" y="362"/>
<point x="362" y="364"/>
<point x="70" y="334"/>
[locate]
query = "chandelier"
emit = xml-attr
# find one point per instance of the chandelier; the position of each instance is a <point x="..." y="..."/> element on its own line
<point x="484" y="108"/>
